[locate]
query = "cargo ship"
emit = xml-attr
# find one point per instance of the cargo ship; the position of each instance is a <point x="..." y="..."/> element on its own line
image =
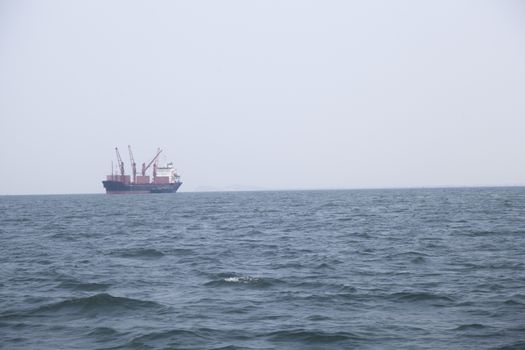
<point x="164" y="178"/>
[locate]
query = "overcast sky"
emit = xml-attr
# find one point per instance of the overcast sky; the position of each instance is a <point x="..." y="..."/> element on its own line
<point x="283" y="94"/>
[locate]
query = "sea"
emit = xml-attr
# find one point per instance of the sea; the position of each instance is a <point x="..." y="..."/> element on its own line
<point x="338" y="269"/>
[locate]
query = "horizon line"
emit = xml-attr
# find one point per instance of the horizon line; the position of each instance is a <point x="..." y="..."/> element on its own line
<point x="295" y="189"/>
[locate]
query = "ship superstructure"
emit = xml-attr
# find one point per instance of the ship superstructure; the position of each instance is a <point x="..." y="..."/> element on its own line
<point x="164" y="179"/>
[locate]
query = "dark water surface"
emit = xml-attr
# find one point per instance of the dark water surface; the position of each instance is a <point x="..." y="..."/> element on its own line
<point x="369" y="269"/>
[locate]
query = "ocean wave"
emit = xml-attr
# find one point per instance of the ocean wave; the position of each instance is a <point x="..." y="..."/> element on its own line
<point x="169" y="338"/>
<point x="145" y="253"/>
<point x="420" y="296"/>
<point x="320" y="293"/>
<point x="258" y="282"/>
<point x="196" y="338"/>
<point x="324" y="266"/>
<point x="254" y="232"/>
<point x="513" y="302"/>
<point x="83" y="286"/>
<point x="181" y="251"/>
<point x="324" y="287"/>
<point x="287" y="265"/>
<point x="311" y="336"/>
<point x="479" y="233"/>
<point x="472" y="326"/>
<point x="514" y="346"/>
<point x="408" y="254"/>
<point x="95" y="305"/>
<point x="511" y="265"/>
<point x="318" y="318"/>
<point x="16" y="220"/>
<point x="232" y="347"/>
<point x="64" y="235"/>
<point x="418" y="260"/>
<point x="91" y="306"/>
<point x="103" y="332"/>
<point x="413" y="257"/>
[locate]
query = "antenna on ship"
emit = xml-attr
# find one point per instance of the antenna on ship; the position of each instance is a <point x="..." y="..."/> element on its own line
<point x="133" y="165"/>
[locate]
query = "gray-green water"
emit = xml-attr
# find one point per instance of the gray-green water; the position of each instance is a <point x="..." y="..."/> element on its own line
<point x="370" y="269"/>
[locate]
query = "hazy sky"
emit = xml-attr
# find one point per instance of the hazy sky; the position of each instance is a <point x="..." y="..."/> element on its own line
<point x="263" y="94"/>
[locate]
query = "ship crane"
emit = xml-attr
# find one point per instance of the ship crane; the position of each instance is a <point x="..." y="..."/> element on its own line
<point x="165" y="178"/>
<point x="146" y="167"/>
<point x="133" y="164"/>
<point x="156" y="165"/>
<point x="120" y="162"/>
